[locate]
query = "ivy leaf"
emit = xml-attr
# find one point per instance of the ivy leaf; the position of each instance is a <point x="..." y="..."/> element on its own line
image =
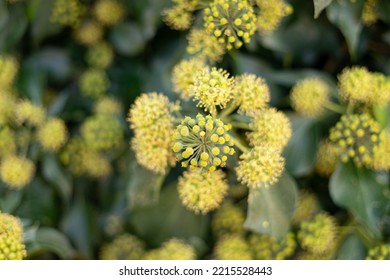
<point x="319" y="6"/>
<point x="362" y="192"/>
<point x="352" y="249"/>
<point x="270" y="209"/>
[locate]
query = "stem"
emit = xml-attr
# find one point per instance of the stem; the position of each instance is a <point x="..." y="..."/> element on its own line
<point x="239" y="144"/>
<point x="228" y="110"/>
<point x="240" y="125"/>
<point x="334" y="107"/>
<point x="350" y="108"/>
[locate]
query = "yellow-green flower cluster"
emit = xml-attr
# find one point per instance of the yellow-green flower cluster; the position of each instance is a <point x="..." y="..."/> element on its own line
<point x="7" y="106"/>
<point x="359" y="86"/>
<point x="381" y="156"/>
<point x="67" y="12"/>
<point x="228" y="219"/>
<point x="16" y="171"/>
<point x="306" y="208"/>
<point x="124" y="247"/>
<point x="102" y="132"/>
<point x="100" y="55"/>
<point x="82" y="160"/>
<point x="179" y="16"/>
<point x="200" y="45"/>
<point x="260" y="167"/>
<point x="202" y="142"/>
<point x="88" y="33"/>
<point x="29" y="113"/>
<point x="370" y="14"/>
<point x="251" y="93"/>
<point x="380" y="252"/>
<point x="109" y="12"/>
<point x="265" y="247"/>
<point x="270" y="128"/>
<point x="107" y="106"/>
<point x="319" y="235"/>
<point x="184" y="76"/>
<point x="11" y="238"/>
<point x="309" y="96"/>
<point x="327" y="157"/>
<point x="52" y="135"/>
<point x="173" y="249"/>
<point x="8" y="69"/>
<point x="355" y="137"/>
<point x="150" y="118"/>
<point x="94" y="83"/>
<point x="202" y="192"/>
<point x="232" y="247"/>
<point x="212" y="87"/>
<point x="7" y="142"/>
<point x="231" y="22"/>
<point x="271" y="14"/>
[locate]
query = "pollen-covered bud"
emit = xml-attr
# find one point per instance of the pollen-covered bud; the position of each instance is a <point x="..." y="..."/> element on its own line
<point x="203" y="142"/>
<point x="100" y="55"/>
<point x="308" y="97"/>
<point x="228" y="219"/>
<point x="319" y="235"/>
<point x="88" y="33"/>
<point x="265" y="247"/>
<point x="213" y="87"/>
<point x="356" y="85"/>
<point x="11" y="248"/>
<point x="8" y="69"/>
<point x="11" y="225"/>
<point x="27" y="112"/>
<point x="231" y="22"/>
<point x="260" y="167"/>
<point x="200" y="45"/>
<point x="52" y="135"/>
<point x="202" y="192"/>
<point x="7" y="142"/>
<point x="183" y="76"/>
<point x="251" y="93"/>
<point x="270" y="128"/>
<point x="380" y="252"/>
<point x="107" y="106"/>
<point x="17" y="172"/>
<point x="179" y="17"/>
<point x="67" y="12"/>
<point x="307" y="207"/>
<point x="381" y="155"/>
<point x="124" y="247"/>
<point x="327" y="157"/>
<point x="173" y="249"/>
<point x="109" y="12"/>
<point x="94" y="83"/>
<point x="102" y="132"/>
<point x="355" y="137"/>
<point x="232" y="247"/>
<point x="271" y="14"/>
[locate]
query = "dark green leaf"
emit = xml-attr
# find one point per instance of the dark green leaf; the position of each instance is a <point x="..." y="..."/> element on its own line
<point x="346" y="16"/>
<point x="301" y="150"/>
<point x="168" y="218"/>
<point x="54" y="241"/>
<point x="270" y="209"/>
<point x="352" y="249"/>
<point x="54" y="174"/>
<point x="361" y="192"/>
<point x="10" y="201"/>
<point x="319" y="6"/>
<point x="13" y="30"/>
<point x="127" y="38"/>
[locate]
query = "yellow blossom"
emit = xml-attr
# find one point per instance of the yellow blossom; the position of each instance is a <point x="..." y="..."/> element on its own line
<point x="67" y="12"/>
<point x="88" y="33"/>
<point x="228" y="219"/>
<point x="265" y="247"/>
<point x="8" y="69"/>
<point x="124" y="247"/>
<point x="200" y="45"/>
<point x="17" y="172"/>
<point x="326" y="160"/>
<point x="109" y="12"/>
<point x="271" y="14"/>
<point x="232" y="247"/>
<point x="94" y="83"/>
<point x="173" y="249"/>
<point x="27" y="112"/>
<point x="100" y="55"/>
<point x="52" y="135"/>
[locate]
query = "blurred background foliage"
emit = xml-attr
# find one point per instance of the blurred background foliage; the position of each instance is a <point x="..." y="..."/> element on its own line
<point x="78" y="200"/>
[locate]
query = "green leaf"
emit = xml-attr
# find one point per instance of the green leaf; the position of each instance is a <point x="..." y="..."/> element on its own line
<point x="346" y="16"/>
<point x="168" y="218"/>
<point x="383" y="8"/>
<point x="352" y="249"/>
<point x="127" y="38"/>
<point x="301" y="150"/>
<point x="319" y="6"/>
<point x="54" y="241"/>
<point x="12" y="30"/>
<point x="54" y="174"/>
<point x="363" y="193"/>
<point x="10" y="201"/>
<point x="270" y="209"/>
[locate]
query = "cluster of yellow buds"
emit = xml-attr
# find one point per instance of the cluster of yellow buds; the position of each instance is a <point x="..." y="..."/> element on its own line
<point x="232" y="247"/>
<point x="173" y="249"/>
<point x="380" y="252"/>
<point x="356" y="136"/>
<point x="124" y="247"/>
<point x="11" y="238"/>
<point x="203" y="142"/>
<point x="265" y="247"/>
<point x="228" y="219"/>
